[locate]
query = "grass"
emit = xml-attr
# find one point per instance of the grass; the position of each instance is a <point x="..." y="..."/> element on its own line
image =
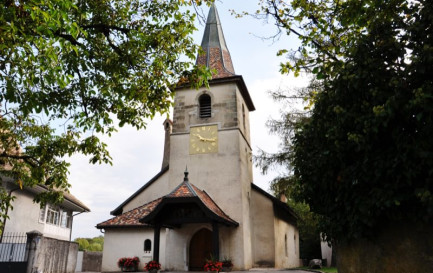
<point x="323" y="269"/>
<point x="329" y="269"/>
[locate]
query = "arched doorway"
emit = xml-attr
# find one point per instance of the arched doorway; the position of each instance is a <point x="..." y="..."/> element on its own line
<point x="200" y="249"/>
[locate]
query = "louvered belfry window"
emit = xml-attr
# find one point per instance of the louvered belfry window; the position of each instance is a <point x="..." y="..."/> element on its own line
<point x="205" y="106"/>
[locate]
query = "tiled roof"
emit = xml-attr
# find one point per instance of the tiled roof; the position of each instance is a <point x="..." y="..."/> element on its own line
<point x="70" y="201"/>
<point x="216" y="54"/>
<point x="130" y="218"/>
<point x="210" y="203"/>
<point x="184" y="190"/>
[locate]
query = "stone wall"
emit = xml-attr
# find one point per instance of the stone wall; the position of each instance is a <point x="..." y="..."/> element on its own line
<point x="92" y="261"/>
<point x="224" y="107"/>
<point x="397" y="248"/>
<point x="50" y="255"/>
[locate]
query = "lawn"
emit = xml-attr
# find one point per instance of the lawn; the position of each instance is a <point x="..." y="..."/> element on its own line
<point x="329" y="269"/>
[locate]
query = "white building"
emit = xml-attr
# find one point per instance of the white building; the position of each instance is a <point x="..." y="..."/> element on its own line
<point x="182" y="217"/>
<point x="53" y="221"/>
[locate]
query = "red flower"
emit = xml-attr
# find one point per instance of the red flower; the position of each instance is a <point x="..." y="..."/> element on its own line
<point x="213" y="266"/>
<point x="152" y="265"/>
<point x="128" y="262"/>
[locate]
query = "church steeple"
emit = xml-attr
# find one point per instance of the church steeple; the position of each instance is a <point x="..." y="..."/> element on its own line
<point x="216" y="54"/>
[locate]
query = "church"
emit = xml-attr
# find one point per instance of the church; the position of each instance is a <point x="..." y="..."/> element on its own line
<point x="203" y="202"/>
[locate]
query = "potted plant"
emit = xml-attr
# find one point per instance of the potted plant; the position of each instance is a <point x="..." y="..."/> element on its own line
<point x="127" y="264"/>
<point x="213" y="265"/>
<point x="227" y="264"/>
<point x="152" y="266"/>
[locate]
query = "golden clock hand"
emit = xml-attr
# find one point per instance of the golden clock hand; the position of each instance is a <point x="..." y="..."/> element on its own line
<point x="200" y="137"/>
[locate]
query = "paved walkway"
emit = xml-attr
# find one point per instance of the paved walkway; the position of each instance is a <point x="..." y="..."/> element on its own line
<point x="256" y="270"/>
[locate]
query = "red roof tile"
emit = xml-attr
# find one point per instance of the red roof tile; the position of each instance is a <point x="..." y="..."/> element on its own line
<point x="210" y="204"/>
<point x="216" y="54"/>
<point x="130" y="218"/>
<point x="184" y="190"/>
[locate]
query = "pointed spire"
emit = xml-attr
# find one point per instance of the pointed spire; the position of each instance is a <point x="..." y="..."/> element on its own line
<point x="186" y="174"/>
<point x="217" y="55"/>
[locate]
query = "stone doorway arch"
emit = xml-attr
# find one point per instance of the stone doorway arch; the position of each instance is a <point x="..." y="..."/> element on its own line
<point x="200" y="249"/>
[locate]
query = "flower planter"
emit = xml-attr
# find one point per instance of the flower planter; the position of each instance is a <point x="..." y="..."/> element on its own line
<point x="152" y="267"/>
<point x="129" y="268"/>
<point x="226" y="268"/>
<point x="128" y="264"/>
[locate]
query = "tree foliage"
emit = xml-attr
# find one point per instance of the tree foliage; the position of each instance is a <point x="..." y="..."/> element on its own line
<point x="90" y="244"/>
<point x="363" y="156"/>
<point x="309" y="234"/>
<point x="71" y="70"/>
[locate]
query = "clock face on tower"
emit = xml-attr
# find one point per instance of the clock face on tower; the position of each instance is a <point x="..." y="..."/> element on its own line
<point x="203" y="139"/>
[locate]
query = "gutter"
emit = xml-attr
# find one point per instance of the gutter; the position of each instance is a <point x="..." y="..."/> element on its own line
<point x="72" y="222"/>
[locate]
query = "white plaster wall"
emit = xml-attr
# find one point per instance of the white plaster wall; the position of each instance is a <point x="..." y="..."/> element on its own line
<point x="245" y="129"/>
<point x="245" y="177"/>
<point x="24" y="217"/>
<point x="79" y="265"/>
<point x="178" y="243"/>
<point x="120" y="243"/>
<point x="286" y="258"/>
<point x="227" y="175"/>
<point x="224" y="178"/>
<point x="223" y="97"/>
<point x="262" y="225"/>
<point x="56" y="232"/>
<point x="154" y="191"/>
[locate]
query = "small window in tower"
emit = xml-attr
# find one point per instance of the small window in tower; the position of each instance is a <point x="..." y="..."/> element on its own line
<point x="205" y="106"/>
<point x="147" y="246"/>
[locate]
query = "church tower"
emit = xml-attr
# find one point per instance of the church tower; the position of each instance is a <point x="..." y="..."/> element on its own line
<point x="211" y="135"/>
<point x="216" y="210"/>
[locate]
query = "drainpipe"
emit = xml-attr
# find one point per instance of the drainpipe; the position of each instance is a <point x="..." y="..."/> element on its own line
<point x="72" y="222"/>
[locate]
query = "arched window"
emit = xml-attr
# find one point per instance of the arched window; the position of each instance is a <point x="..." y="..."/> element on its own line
<point x="205" y="106"/>
<point x="147" y="245"/>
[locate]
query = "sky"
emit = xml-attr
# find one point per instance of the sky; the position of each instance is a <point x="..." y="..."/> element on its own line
<point x="137" y="155"/>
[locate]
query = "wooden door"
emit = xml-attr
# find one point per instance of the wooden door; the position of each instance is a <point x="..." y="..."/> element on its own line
<point x="200" y="249"/>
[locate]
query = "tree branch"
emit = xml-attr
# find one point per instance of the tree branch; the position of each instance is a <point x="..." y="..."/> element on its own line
<point x="104" y="28"/>
<point x="26" y="158"/>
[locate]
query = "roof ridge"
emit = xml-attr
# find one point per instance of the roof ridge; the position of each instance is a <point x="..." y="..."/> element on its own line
<point x="189" y="185"/>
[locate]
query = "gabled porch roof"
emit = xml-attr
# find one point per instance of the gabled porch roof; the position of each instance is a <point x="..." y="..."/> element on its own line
<point x="185" y="204"/>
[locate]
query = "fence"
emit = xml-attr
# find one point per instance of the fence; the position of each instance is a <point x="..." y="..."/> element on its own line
<point x="13" y="256"/>
<point x="13" y="247"/>
<point x="32" y="252"/>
